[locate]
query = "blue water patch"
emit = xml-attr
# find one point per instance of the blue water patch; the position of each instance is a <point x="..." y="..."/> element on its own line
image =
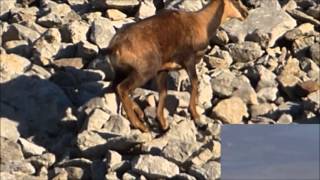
<point x="270" y="152"/>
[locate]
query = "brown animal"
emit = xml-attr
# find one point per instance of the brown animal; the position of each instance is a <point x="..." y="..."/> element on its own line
<point x="167" y="41"/>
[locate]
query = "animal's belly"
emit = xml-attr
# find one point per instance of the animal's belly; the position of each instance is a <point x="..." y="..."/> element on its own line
<point x="170" y="66"/>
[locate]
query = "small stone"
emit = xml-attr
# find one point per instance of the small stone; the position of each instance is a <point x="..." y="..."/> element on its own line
<point x="102" y="32"/>
<point x="69" y="62"/>
<point x="46" y="160"/>
<point x="231" y="110"/>
<point x="261" y="109"/>
<point x="202" y="158"/>
<point x="30" y="149"/>
<point x="47" y="46"/>
<point x="117" y="124"/>
<point x="266" y="78"/>
<point x="305" y="29"/>
<point x="115" y="14"/>
<point x="154" y="167"/>
<point x="11" y="66"/>
<point x="179" y="151"/>
<point x="221" y="83"/>
<point x="87" y="140"/>
<point x="184" y="176"/>
<point x="114" y="160"/>
<point x="19" y="32"/>
<point x="9" y="128"/>
<point x="245" y="52"/>
<point x="75" y="32"/>
<point x="87" y="50"/>
<point x="19" y="47"/>
<point x="268" y="94"/>
<point x="285" y="119"/>
<point x="146" y="9"/>
<point x="96" y="120"/>
<point x="315" y="52"/>
<point x="75" y="172"/>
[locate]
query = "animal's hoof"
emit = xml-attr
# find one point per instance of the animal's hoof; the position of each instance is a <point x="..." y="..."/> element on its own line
<point x="201" y="122"/>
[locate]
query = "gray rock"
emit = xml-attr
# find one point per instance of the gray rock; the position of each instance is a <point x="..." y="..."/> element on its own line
<point x="57" y="14"/>
<point x="146" y="9"/>
<point x="290" y="77"/>
<point x="244" y="90"/>
<point x="231" y="110"/>
<point x="46" y="160"/>
<point x="261" y="120"/>
<point x="19" y="15"/>
<point x="185" y="5"/>
<point x="222" y="83"/>
<point x="261" y="109"/>
<point x="268" y="94"/>
<point x="75" y="172"/>
<point x="245" y="52"/>
<point x="87" y="50"/>
<point x="301" y="45"/>
<point x="303" y="17"/>
<point x="154" y="166"/>
<point x="218" y="59"/>
<point x="12" y="66"/>
<point x="315" y="53"/>
<point x="115" y="14"/>
<point x="102" y="32"/>
<point x="314" y="11"/>
<point x="19" y="47"/>
<point x="29" y="148"/>
<point x="114" y="160"/>
<point x="10" y="151"/>
<point x="124" y="4"/>
<point x="266" y="78"/>
<point x="312" y="102"/>
<point x="76" y="31"/>
<point x="272" y="21"/>
<point x="31" y="105"/>
<point x="179" y="151"/>
<point x="211" y="170"/>
<point x="285" y="119"/>
<point x="91" y="143"/>
<point x="103" y="64"/>
<point x="96" y="120"/>
<point x="305" y="29"/>
<point x="19" y="32"/>
<point x="6" y="6"/>
<point x="69" y="62"/>
<point x="184" y="131"/>
<point x="117" y="124"/>
<point x="46" y="47"/>
<point x="38" y="71"/>
<point x="9" y="129"/>
<point x="23" y="167"/>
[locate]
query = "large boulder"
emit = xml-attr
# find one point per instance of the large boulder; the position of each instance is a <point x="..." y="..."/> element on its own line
<point x="273" y="22"/>
<point x="154" y="167"/>
<point x="12" y="66"/>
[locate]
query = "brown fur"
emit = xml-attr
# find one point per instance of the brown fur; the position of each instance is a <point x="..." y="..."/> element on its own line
<point x="167" y="41"/>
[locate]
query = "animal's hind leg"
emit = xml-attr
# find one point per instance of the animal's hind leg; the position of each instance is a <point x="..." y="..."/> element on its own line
<point x="162" y="86"/>
<point x="132" y="81"/>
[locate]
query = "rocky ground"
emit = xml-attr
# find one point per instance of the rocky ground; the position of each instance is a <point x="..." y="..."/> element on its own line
<point x="61" y="120"/>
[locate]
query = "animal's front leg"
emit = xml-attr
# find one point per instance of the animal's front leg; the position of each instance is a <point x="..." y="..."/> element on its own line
<point x="190" y="66"/>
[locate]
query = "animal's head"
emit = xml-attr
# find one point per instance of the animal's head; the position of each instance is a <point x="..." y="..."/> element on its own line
<point x="235" y="9"/>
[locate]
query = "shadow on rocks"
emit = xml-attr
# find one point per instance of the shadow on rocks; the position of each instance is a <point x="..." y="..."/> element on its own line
<point x="40" y="109"/>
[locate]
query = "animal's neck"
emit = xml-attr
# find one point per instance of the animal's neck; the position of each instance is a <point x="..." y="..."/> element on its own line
<point x="212" y="15"/>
